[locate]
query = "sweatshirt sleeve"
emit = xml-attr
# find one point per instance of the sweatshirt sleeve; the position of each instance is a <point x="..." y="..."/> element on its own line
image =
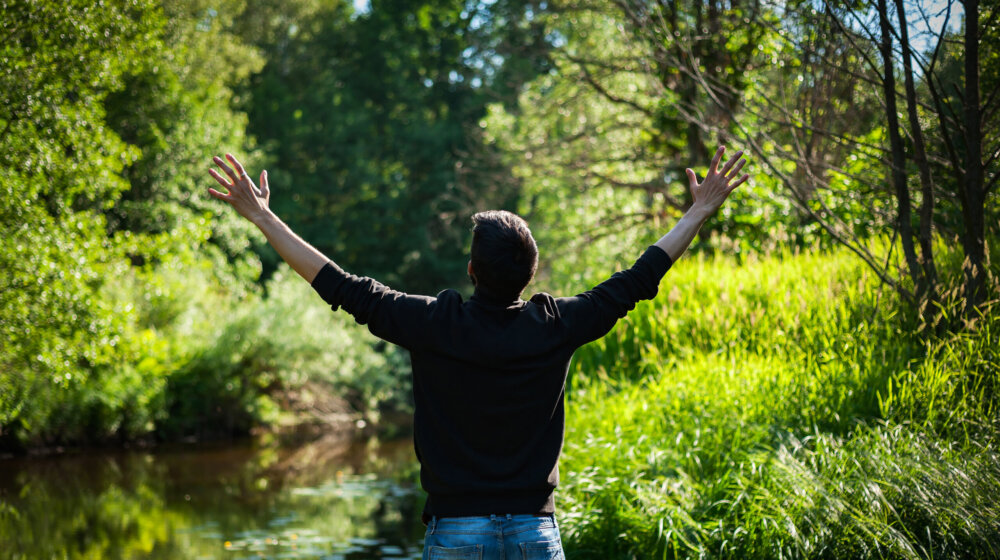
<point x="592" y="314"/>
<point x="391" y="315"/>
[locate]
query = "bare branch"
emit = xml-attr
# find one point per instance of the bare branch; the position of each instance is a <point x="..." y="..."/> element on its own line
<point x="604" y="92"/>
<point x="651" y="186"/>
<point x="850" y="37"/>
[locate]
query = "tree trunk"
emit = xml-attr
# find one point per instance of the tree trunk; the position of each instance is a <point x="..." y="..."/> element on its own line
<point x="927" y="289"/>
<point x="896" y="145"/>
<point x="973" y="210"/>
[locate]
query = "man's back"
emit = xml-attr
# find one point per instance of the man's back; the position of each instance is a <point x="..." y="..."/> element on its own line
<point x="488" y="379"/>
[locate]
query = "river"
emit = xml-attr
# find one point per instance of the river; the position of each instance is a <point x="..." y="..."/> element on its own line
<point x="327" y="498"/>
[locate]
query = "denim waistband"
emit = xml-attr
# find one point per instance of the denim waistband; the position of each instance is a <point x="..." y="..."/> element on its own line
<point x="426" y="518"/>
<point x="491" y="524"/>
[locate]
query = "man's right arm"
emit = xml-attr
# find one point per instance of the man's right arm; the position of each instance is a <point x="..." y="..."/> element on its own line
<point x="708" y="196"/>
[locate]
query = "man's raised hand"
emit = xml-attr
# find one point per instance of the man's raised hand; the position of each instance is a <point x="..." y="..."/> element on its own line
<point x="713" y="191"/>
<point x="241" y="193"/>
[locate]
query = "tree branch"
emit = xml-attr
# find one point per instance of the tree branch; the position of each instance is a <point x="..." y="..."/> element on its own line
<point x="651" y="186"/>
<point x="589" y="78"/>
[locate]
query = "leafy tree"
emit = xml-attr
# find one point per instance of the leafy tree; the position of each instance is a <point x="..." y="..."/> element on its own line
<point x="107" y="118"/>
<point x="583" y="159"/>
<point x="177" y="107"/>
<point x="371" y="120"/>
<point x="601" y="142"/>
<point x="922" y="168"/>
<point x="871" y="139"/>
<point x="59" y="169"/>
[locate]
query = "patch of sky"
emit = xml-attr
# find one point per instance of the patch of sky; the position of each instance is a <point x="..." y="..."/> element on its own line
<point x="480" y="12"/>
<point x="556" y="39"/>
<point x="926" y="22"/>
<point x="205" y="24"/>
<point x="927" y="19"/>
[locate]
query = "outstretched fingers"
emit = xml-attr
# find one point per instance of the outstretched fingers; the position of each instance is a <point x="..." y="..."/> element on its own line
<point x="236" y="163"/>
<point x="215" y="175"/>
<point x="732" y="161"/>
<point x="219" y="195"/>
<point x="730" y="175"/>
<point x="714" y="168"/>
<point x="742" y="180"/>
<point x="229" y="170"/>
<point x="225" y="184"/>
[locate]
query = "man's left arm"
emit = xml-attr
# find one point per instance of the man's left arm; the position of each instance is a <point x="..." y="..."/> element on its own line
<point x="391" y="315"/>
<point x="253" y="203"/>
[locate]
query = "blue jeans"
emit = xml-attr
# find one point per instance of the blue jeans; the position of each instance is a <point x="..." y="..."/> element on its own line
<point x="497" y="537"/>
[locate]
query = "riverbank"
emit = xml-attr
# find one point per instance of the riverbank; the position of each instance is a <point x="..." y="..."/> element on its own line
<point x="195" y="364"/>
<point x="349" y="429"/>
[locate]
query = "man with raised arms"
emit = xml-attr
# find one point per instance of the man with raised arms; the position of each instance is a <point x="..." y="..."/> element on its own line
<point x="488" y="373"/>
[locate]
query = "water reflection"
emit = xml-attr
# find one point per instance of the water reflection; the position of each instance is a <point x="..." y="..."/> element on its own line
<point x="325" y="499"/>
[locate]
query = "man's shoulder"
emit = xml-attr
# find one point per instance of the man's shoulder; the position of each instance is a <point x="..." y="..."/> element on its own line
<point x="547" y="302"/>
<point x="542" y="297"/>
<point x="449" y="296"/>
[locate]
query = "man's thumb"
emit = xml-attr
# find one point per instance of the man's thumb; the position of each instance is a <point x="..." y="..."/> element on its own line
<point x="264" y="189"/>
<point x="692" y="178"/>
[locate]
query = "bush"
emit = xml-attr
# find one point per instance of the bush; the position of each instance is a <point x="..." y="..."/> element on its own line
<point x="286" y="352"/>
<point x="185" y="348"/>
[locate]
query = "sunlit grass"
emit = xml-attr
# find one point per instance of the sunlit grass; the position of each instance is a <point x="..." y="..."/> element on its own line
<point x="774" y="410"/>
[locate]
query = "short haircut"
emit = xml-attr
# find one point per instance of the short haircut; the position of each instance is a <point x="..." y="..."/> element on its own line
<point x="504" y="254"/>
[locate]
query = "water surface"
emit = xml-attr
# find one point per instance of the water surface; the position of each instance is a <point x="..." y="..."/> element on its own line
<point x="324" y="499"/>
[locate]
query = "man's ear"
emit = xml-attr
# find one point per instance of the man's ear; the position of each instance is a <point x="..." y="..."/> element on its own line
<point x="472" y="275"/>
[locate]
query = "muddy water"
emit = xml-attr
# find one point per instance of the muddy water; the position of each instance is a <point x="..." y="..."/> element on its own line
<point x="324" y="499"/>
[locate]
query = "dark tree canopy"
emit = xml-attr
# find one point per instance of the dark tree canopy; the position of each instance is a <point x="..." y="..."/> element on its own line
<point x="371" y="123"/>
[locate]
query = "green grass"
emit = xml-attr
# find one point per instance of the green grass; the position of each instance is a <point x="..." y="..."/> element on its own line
<point x="773" y="410"/>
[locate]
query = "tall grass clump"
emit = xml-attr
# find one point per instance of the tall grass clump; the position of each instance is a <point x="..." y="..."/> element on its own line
<point x="781" y="408"/>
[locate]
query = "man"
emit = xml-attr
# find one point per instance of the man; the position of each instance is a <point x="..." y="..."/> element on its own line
<point x="488" y="373"/>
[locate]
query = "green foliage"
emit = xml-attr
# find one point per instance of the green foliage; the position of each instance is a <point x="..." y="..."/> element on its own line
<point x="59" y="168"/>
<point x="600" y="142"/>
<point x="122" y="279"/>
<point x="563" y="141"/>
<point x="286" y="353"/>
<point x="117" y="266"/>
<point x="369" y="120"/>
<point x="176" y="107"/>
<point x="775" y="410"/>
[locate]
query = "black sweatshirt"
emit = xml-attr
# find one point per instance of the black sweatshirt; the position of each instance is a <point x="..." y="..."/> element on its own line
<point x="488" y="379"/>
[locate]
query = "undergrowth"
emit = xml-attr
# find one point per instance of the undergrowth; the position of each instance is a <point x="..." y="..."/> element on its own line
<point x="781" y="409"/>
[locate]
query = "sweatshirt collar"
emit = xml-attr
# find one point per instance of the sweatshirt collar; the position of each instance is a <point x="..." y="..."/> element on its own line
<point x="486" y="298"/>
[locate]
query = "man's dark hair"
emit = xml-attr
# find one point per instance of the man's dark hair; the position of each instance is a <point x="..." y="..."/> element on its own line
<point x="504" y="254"/>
